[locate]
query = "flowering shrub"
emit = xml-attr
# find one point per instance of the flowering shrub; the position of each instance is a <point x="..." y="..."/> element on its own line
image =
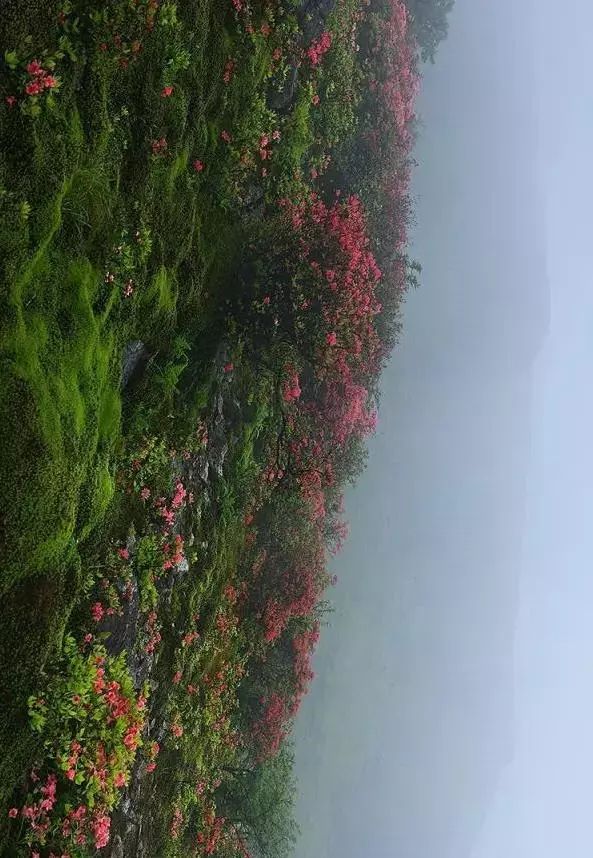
<point x="33" y="80"/>
<point x="318" y="48"/>
<point x="90" y="720"/>
<point x="387" y="134"/>
<point x="325" y="304"/>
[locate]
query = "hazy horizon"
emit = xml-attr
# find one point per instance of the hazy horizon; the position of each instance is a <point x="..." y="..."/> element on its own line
<point x="450" y="681"/>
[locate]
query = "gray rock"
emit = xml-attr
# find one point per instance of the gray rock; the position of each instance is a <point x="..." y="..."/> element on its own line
<point x="134" y="359"/>
<point x="117" y="847"/>
<point x="132" y="825"/>
<point x="123" y="629"/>
<point x="283" y="98"/>
<point x="312" y="15"/>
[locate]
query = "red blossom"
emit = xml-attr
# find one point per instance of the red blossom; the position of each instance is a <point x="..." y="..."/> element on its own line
<point x="319" y="47"/>
<point x="34" y="87"/>
<point x="98" y="612"/>
<point x="101" y="824"/>
<point x="35" y="69"/>
<point x="159" y="147"/>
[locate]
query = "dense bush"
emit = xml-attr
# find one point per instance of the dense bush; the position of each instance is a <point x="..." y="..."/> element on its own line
<point x="429" y="23"/>
<point x="91" y="721"/>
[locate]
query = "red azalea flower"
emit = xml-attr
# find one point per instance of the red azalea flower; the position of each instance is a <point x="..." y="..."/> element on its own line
<point x="166" y="91"/>
<point x="198" y="166"/>
<point x="159" y="147"/>
<point x="33" y="88"/>
<point x="35" y="69"/>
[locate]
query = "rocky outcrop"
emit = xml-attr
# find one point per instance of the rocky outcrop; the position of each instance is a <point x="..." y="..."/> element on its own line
<point x="130" y="829"/>
<point x="134" y="359"/>
<point x="282" y="96"/>
<point x="312" y="16"/>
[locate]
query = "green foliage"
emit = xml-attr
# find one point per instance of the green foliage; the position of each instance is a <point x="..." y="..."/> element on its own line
<point x="81" y="202"/>
<point x="261" y="800"/>
<point x="72" y="709"/>
<point x="59" y="370"/>
<point x="296" y="142"/>
<point x="340" y="79"/>
<point x="89" y="719"/>
<point x="147" y="564"/>
<point x="429" y="23"/>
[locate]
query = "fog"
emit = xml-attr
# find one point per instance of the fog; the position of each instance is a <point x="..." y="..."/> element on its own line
<point x="451" y="713"/>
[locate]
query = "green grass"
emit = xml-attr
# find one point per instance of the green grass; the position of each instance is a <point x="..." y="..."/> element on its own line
<point x="203" y="590"/>
<point x="72" y="181"/>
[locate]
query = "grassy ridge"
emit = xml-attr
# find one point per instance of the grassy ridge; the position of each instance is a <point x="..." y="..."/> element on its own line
<point x="75" y="183"/>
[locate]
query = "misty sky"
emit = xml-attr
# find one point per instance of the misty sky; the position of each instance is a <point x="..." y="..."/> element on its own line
<point x="453" y="709"/>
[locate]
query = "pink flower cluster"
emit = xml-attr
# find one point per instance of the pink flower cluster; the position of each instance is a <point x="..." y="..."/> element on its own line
<point x="101" y="824"/>
<point x="173" y="553"/>
<point x="229" y="70"/>
<point x="176" y="824"/>
<point x="159" y="147"/>
<point x="291" y="388"/>
<point x="152" y="632"/>
<point x="39" y="79"/>
<point x="270" y="730"/>
<point x="319" y="47"/>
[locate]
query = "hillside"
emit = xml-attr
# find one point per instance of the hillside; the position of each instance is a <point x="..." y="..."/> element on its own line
<point x="203" y="254"/>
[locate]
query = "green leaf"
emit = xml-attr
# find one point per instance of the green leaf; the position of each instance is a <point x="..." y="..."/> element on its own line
<point x="11" y="59"/>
